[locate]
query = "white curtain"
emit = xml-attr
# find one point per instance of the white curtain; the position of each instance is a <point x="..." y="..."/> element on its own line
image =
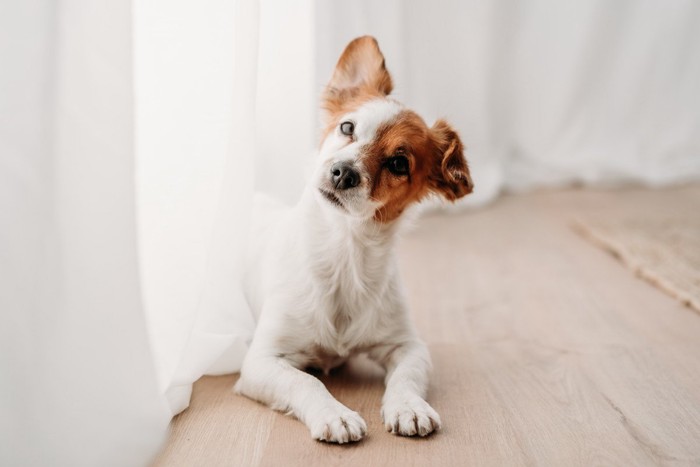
<point x="195" y="92"/>
<point x="126" y="170"/>
<point x="77" y="384"/>
<point x="210" y="83"/>
<point x="543" y="92"/>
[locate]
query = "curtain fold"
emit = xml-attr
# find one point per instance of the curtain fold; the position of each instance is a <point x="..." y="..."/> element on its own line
<point x="225" y="105"/>
<point x="196" y="79"/>
<point x="77" y="384"/>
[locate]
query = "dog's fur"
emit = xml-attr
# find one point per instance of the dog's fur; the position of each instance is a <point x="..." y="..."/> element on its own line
<point x="323" y="279"/>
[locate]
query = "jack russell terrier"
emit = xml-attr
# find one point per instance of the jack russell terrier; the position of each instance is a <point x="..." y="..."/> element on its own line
<point x="322" y="276"/>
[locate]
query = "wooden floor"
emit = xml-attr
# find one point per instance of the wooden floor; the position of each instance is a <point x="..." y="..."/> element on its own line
<point x="547" y="351"/>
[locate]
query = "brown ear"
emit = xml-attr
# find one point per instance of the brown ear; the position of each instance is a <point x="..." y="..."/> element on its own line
<point x="360" y="71"/>
<point x="451" y="176"/>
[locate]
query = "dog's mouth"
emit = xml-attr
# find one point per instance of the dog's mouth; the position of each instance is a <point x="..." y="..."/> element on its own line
<point x="333" y="199"/>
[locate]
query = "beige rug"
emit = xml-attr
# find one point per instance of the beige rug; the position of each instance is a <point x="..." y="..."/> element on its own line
<point x="665" y="250"/>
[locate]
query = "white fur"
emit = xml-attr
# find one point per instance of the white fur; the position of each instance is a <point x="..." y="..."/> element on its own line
<point x="324" y="284"/>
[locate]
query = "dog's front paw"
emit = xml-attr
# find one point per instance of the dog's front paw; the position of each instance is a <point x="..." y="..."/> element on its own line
<point x="337" y="424"/>
<point x="410" y="417"/>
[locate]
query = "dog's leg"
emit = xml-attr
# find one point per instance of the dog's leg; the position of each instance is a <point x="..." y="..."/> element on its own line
<point x="274" y="381"/>
<point x="404" y="409"/>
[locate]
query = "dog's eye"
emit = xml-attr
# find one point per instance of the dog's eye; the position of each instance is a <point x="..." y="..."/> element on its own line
<point x="347" y="128"/>
<point x="398" y="165"/>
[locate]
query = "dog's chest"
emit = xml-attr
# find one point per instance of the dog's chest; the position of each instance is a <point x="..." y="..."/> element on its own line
<point x="349" y="305"/>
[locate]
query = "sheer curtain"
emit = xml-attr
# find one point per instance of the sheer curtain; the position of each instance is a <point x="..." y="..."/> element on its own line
<point x="126" y="168"/>
<point x="224" y="104"/>
<point x="196" y="75"/>
<point x="77" y="384"/>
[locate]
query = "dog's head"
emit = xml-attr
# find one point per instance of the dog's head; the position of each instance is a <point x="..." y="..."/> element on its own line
<point x="377" y="157"/>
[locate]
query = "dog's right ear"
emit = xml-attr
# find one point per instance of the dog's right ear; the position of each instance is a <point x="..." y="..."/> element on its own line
<point x="360" y="72"/>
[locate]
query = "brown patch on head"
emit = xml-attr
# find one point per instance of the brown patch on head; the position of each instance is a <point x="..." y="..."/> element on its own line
<point x="360" y="75"/>
<point x="435" y="158"/>
<point x="407" y="136"/>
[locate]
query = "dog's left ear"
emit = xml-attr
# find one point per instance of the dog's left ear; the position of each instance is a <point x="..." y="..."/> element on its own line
<point x="360" y="71"/>
<point x="451" y="177"/>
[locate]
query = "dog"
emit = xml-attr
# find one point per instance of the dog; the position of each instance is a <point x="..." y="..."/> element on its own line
<point x="322" y="276"/>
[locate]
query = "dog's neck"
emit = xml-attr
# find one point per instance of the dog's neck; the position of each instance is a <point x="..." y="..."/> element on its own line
<point x="340" y="244"/>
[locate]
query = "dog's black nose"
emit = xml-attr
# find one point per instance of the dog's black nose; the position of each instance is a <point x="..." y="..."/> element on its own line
<point x="344" y="175"/>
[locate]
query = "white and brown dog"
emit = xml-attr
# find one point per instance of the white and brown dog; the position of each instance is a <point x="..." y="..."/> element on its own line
<point x="322" y="276"/>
